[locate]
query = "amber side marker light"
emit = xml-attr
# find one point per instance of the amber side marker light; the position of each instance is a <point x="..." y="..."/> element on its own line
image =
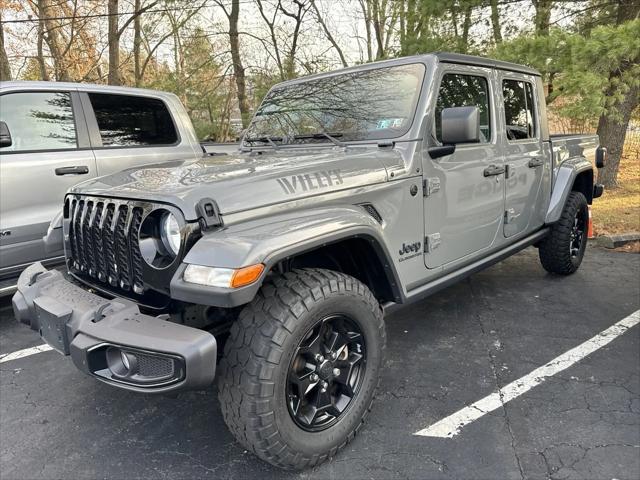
<point x="246" y="275"/>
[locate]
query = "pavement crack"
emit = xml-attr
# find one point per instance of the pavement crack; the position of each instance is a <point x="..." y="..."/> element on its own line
<point x="477" y="295"/>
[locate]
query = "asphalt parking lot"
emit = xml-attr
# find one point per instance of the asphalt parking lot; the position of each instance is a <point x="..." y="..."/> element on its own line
<point x="444" y="353"/>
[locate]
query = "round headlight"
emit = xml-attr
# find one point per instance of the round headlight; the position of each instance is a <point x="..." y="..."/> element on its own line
<point x="170" y="233"/>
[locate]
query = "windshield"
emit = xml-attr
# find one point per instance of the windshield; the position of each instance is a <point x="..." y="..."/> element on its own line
<point x="361" y="105"/>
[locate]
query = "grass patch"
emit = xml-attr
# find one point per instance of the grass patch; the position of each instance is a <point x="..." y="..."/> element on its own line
<point x="618" y="211"/>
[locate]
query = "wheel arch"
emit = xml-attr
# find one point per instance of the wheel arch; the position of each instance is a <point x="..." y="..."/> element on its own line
<point x="346" y="238"/>
<point x="572" y="175"/>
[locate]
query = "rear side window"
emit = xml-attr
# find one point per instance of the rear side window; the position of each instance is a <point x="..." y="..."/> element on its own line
<point x="519" y="110"/>
<point x="128" y="121"/>
<point x="457" y="90"/>
<point x="38" y="121"/>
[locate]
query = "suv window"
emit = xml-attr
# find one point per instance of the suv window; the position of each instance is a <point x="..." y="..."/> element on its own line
<point x="458" y="90"/>
<point x="519" y="111"/>
<point x="38" y="121"/>
<point x="125" y="120"/>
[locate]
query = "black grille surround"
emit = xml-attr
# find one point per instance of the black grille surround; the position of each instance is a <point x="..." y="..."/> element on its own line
<point x="103" y="251"/>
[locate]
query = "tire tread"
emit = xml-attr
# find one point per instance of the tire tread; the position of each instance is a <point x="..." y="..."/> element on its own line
<point x="253" y="352"/>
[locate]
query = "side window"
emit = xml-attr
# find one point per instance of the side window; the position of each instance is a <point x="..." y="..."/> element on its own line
<point x="457" y="90"/>
<point x="128" y="121"/>
<point x="38" y="121"/>
<point x="519" y="110"/>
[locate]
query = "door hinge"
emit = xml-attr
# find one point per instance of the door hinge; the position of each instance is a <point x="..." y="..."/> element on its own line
<point x="430" y="186"/>
<point x="431" y="242"/>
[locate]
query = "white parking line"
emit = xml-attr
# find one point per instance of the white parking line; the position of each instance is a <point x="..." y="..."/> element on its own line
<point x="7" y="357"/>
<point x="450" y="426"/>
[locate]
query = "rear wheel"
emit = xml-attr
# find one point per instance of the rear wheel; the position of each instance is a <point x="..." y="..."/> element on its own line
<point x="301" y="367"/>
<point x="562" y="251"/>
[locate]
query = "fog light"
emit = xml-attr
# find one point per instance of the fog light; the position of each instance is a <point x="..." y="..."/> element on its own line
<point x="125" y="360"/>
<point x="121" y="363"/>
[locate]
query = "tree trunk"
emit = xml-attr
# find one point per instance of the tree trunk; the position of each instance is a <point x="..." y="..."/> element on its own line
<point x="44" y="74"/>
<point x="114" y="43"/>
<point x="54" y="40"/>
<point x="543" y="16"/>
<point x="5" y="71"/>
<point x="613" y="130"/>
<point x="466" y="26"/>
<point x="612" y="134"/>
<point x="238" y="68"/>
<point x="137" y="44"/>
<point x="378" y="28"/>
<point x="495" y="22"/>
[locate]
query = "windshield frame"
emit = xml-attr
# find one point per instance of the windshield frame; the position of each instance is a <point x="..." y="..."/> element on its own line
<point x="386" y="64"/>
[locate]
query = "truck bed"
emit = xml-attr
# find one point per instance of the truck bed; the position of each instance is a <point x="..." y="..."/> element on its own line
<point x="566" y="146"/>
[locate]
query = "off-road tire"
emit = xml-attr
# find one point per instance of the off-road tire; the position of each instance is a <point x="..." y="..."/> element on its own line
<point x="554" y="251"/>
<point x="257" y="355"/>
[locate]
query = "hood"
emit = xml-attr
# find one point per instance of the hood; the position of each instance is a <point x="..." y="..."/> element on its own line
<point x="245" y="181"/>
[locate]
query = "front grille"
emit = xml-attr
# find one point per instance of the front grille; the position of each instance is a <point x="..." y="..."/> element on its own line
<point x="103" y="242"/>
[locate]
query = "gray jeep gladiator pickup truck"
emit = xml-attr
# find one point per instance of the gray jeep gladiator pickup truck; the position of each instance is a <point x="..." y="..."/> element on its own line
<point x="356" y="191"/>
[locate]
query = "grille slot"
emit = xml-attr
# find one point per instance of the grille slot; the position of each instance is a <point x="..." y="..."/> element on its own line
<point x="103" y="242"/>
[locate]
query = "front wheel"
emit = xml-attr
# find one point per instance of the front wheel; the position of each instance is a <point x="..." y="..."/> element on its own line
<point x="301" y="367"/>
<point x="563" y="249"/>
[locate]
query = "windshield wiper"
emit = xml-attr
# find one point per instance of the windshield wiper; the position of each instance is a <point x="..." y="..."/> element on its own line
<point x="266" y="139"/>
<point x="316" y="135"/>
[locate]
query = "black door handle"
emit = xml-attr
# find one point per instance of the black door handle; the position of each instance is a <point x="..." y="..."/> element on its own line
<point x="79" y="170"/>
<point x="492" y="170"/>
<point x="536" y="162"/>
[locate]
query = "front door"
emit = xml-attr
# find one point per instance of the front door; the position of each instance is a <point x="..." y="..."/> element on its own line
<point x="464" y="194"/>
<point x="524" y="157"/>
<point x="49" y="154"/>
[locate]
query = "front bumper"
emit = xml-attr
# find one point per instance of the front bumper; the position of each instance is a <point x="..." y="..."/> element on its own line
<point x="111" y="339"/>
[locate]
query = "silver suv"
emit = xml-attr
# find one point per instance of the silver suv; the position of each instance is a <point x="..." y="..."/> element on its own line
<point x="55" y="135"/>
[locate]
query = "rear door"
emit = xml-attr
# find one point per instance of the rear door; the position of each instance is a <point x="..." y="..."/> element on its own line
<point x="131" y="130"/>
<point x="463" y="206"/>
<point x="49" y="154"/>
<point x="524" y="156"/>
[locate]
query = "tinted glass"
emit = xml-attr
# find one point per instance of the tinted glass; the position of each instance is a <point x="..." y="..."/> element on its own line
<point x="125" y="120"/>
<point x="458" y="90"/>
<point x="519" y="109"/>
<point x="361" y="105"/>
<point x="38" y="121"/>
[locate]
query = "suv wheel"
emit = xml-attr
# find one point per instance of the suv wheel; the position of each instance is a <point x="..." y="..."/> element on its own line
<point x="301" y="367"/>
<point x="562" y="251"/>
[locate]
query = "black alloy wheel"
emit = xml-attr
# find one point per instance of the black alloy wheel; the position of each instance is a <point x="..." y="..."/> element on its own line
<point x="326" y="373"/>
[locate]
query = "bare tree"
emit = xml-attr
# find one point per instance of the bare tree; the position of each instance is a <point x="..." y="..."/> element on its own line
<point x="113" y="39"/>
<point x="233" y="16"/>
<point x="5" y="71"/>
<point x="270" y="21"/>
<point x="328" y="34"/>
<point x="52" y="35"/>
<point x="114" y="34"/>
<point x="297" y="14"/>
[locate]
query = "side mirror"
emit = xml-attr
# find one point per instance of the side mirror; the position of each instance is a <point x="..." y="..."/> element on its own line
<point x="460" y="125"/>
<point x="5" y="135"/>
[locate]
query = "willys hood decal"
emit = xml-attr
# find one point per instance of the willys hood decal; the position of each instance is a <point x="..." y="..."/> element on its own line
<point x="247" y="180"/>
